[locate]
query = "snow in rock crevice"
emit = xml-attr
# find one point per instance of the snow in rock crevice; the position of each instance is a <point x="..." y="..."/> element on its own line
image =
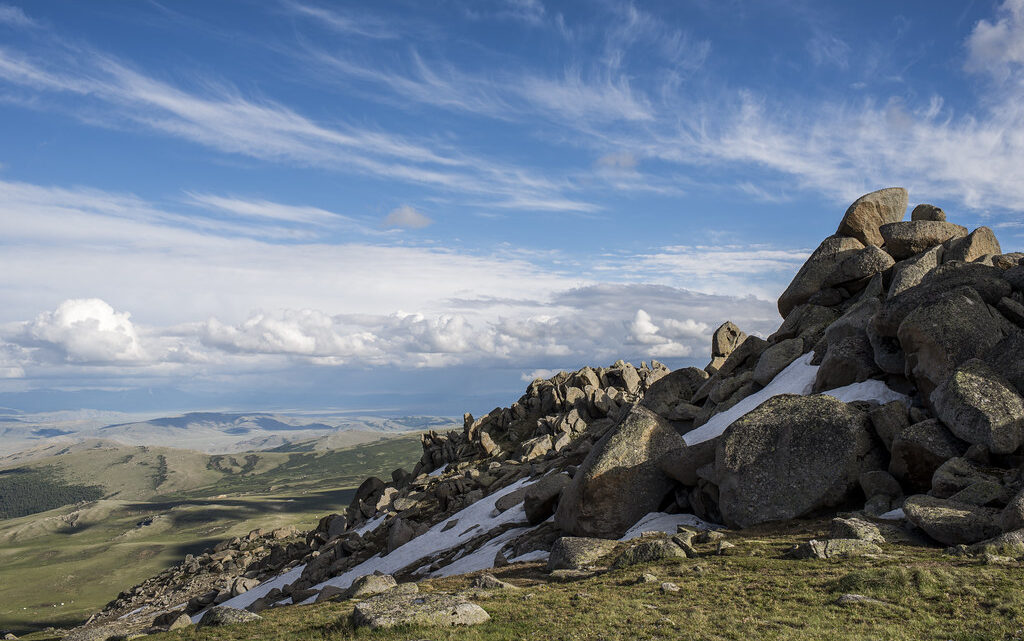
<point x="797" y="378"/>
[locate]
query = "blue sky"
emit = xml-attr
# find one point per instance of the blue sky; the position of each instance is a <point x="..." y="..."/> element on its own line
<point x="421" y="205"/>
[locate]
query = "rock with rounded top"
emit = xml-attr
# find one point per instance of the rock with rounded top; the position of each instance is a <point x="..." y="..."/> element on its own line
<point x="792" y="455"/>
<point x="673" y="389"/>
<point x="987" y="282"/>
<point x="949" y="522"/>
<point x="811" y="276"/>
<point x="927" y="212"/>
<point x="919" y="450"/>
<point x="847" y="361"/>
<point x="777" y="358"/>
<point x="908" y="238"/>
<point x="433" y="609"/>
<point x="981" y="407"/>
<point x="889" y="420"/>
<point x="807" y="322"/>
<point x="854" y="528"/>
<point x="726" y="338"/>
<point x="369" y="585"/>
<point x="871" y="211"/>
<point x="224" y="615"/>
<point x="578" y="552"/>
<point x="620" y="481"/>
<point x="1004" y="357"/>
<point x="980" y="242"/>
<point x="939" y="336"/>
<point x="1011" y="517"/>
<point x="854" y="271"/>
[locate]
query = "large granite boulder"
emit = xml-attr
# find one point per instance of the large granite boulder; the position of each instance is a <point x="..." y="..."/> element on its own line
<point x="938" y="336"/>
<point x="871" y="211"/>
<point x="792" y="455"/>
<point x="620" y="480"/>
<point x="907" y="238"/>
<point x="811" y="277"/>
<point x="981" y="407"/>
<point x="540" y="499"/>
<point x="671" y="390"/>
<point x="577" y="552"/>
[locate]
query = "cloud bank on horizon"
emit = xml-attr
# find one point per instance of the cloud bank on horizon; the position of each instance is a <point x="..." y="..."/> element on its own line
<point x="230" y="195"/>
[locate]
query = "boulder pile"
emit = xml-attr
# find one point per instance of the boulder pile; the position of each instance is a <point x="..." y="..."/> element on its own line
<point x="893" y="386"/>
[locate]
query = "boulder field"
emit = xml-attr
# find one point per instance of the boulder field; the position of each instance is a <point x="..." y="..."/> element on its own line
<point x="893" y="386"/>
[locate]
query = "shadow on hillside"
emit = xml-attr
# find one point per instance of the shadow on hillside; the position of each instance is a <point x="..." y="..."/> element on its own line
<point x="325" y="501"/>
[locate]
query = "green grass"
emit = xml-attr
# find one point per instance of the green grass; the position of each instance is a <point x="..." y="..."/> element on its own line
<point x="83" y="555"/>
<point x="755" y="595"/>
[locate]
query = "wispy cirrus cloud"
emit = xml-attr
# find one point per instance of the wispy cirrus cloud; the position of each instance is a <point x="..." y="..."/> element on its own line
<point x="15" y="16"/>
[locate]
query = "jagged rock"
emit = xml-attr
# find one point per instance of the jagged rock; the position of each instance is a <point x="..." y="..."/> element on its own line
<point x="434" y="609"/>
<point x="980" y="242"/>
<point x="224" y="615"/>
<point x="919" y="450"/>
<point x="910" y="272"/>
<point x="854" y="271"/>
<point x="541" y="497"/>
<point x="927" y="212"/>
<point x="743" y="356"/>
<point x="537" y="447"/>
<point x="807" y="322"/>
<point x="939" y="336"/>
<point x="399" y="533"/>
<point x="853" y="528"/>
<point x="905" y="239"/>
<point x="776" y="358"/>
<point x="871" y="211"/>
<point x="980" y="407"/>
<point x="489" y="446"/>
<point x="833" y="549"/>
<point x="792" y="455"/>
<point x="621" y="479"/>
<point x="370" y="585"/>
<point x="649" y="552"/>
<point x="1005" y="358"/>
<point x="577" y="553"/>
<point x="951" y="523"/>
<point x="809" y="280"/>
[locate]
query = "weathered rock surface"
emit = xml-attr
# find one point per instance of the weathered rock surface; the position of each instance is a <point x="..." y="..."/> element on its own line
<point x="649" y="552"/>
<point x="792" y="455"/>
<point x="905" y="239"/>
<point x="869" y="212"/>
<point x="834" y="548"/>
<point x="577" y="553"/>
<point x="949" y="522"/>
<point x="620" y="480"/>
<point x="434" y="609"/>
<point x="919" y="450"/>
<point x="809" y="280"/>
<point x="980" y="407"/>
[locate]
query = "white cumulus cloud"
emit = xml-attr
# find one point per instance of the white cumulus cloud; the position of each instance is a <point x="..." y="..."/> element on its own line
<point x="406" y="217"/>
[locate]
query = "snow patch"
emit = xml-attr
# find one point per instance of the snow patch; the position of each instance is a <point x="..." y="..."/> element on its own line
<point x="797" y="378"/>
<point x="246" y="599"/>
<point x="536" y="555"/>
<point x="370" y="525"/>
<point x="439" y="471"/>
<point x="667" y="523"/>
<point x="893" y="515"/>
<point x="435" y="540"/>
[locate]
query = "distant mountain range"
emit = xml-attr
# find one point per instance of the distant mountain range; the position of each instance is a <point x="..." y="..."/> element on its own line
<point x="211" y="432"/>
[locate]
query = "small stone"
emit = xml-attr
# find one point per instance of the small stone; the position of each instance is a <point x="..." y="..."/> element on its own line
<point x="669" y="588"/>
<point x="224" y="615"/>
<point x="857" y="599"/>
<point x="647" y="577"/>
<point x="490" y="582"/>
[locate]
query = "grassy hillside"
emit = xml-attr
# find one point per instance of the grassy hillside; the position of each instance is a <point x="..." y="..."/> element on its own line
<point x="753" y="593"/>
<point x="60" y="565"/>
